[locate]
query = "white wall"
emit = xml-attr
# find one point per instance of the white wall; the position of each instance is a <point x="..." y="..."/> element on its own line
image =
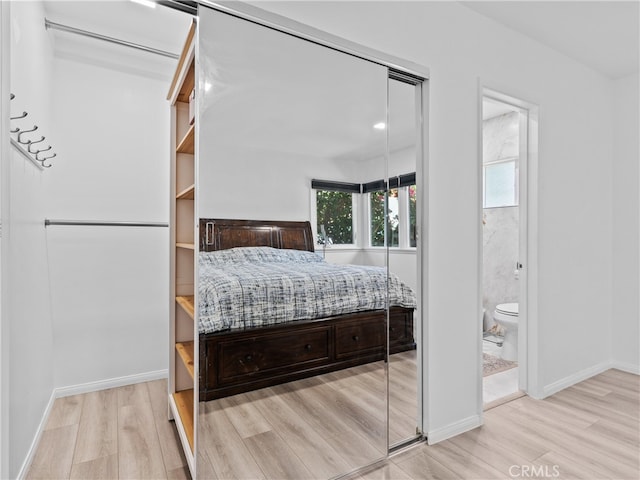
<point x="460" y="47"/>
<point x="626" y="211"/>
<point x="25" y="258"/>
<point x="109" y="284"/>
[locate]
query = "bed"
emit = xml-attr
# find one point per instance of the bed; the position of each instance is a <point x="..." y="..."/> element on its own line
<point x="265" y="314"/>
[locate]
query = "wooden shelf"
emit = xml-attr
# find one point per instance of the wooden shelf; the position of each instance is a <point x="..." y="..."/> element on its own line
<point x="184" y="404"/>
<point x="187" y="193"/>
<point x="186" y="302"/>
<point x="185" y="350"/>
<point x="188" y="246"/>
<point x="187" y="145"/>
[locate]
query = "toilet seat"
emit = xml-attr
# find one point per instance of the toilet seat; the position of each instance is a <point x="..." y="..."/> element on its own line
<point x="510" y="309"/>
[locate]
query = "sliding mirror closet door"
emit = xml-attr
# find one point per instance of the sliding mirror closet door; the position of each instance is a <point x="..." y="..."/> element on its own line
<point x="402" y="231"/>
<point x="292" y="316"/>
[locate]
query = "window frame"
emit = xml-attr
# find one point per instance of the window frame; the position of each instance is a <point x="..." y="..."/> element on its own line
<point x="354" y="220"/>
<point x="404" y="226"/>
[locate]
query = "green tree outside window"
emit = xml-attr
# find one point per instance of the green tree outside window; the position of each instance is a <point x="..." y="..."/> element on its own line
<point x="335" y="212"/>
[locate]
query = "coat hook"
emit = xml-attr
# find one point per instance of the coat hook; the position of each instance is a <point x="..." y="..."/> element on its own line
<point x="42" y="160"/>
<point x="12" y="96"/>
<point x="24" y="114"/>
<point x="15" y="131"/>
<point x="35" y="127"/>
<point x="40" y="151"/>
<point x="35" y="141"/>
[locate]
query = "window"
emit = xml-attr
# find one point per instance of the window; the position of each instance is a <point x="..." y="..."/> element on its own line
<point x="376" y="209"/>
<point x="411" y="190"/>
<point x="501" y="184"/>
<point x="337" y="207"/>
<point x="334" y="217"/>
<point x="401" y="208"/>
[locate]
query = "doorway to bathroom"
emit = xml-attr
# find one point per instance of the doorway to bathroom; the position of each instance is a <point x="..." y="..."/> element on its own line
<point x="505" y="133"/>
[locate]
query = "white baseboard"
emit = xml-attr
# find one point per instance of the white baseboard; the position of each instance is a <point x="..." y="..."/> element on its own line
<point x="36" y="438"/>
<point x="626" y="367"/>
<point x="110" y="383"/>
<point x="448" y="431"/>
<point x="577" y="377"/>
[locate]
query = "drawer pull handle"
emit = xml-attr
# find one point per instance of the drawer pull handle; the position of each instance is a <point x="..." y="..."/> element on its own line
<point x="248" y="358"/>
<point x="307" y="347"/>
<point x="356" y="338"/>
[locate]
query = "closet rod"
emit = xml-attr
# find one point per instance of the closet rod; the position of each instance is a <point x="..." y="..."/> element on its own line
<point x="48" y="222"/>
<point x="65" y="28"/>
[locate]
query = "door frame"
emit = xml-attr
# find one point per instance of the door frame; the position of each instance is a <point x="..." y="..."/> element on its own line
<point x="4" y="217"/>
<point x="528" y="335"/>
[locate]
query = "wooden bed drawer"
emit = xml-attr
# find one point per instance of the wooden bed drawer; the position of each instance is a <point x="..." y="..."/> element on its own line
<point x="400" y="326"/>
<point x="255" y="356"/>
<point x="361" y="337"/>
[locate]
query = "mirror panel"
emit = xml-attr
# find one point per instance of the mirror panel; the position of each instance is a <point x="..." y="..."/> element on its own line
<point x="404" y="413"/>
<point x="274" y="114"/>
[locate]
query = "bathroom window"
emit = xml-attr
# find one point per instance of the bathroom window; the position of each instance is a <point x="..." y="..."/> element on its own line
<point x="501" y="184"/>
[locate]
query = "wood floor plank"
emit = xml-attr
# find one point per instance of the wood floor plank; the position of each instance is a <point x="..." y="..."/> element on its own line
<point x="247" y="420"/>
<point x="570" y="467"/>
<point x="498" y="456"/>
<point x="98" y="428"/>
<point x="276" y="459"/>
<point x="101" y="468"/>
<point x="354" y="413"/>
<point x="317" y="454"/>
<point x="577" y="443"/>
<point x="65" y="411"/>
<point x="135" y="394"/>
<point x="622" y="379"/>
<point x="54" y="456"/>
<point x="342" y="415"/>
<point x="598" y="407"/>
<point x="356" y="449"/>
<point x="460" y="462"/>
<point x="559" y="412"/>
<point x="205" y="468"/>
<point x="182" y="473"/>
<point x="224" y="448"/>
<point x="172" y="453"/>
<point x="497" y="430"/>
<point x="139" y="452"/>
<point x="425" y="466"/>
<point x="617" y="432"/>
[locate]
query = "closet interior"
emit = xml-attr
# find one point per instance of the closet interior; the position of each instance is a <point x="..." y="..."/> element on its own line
<point x="182" y="383"/>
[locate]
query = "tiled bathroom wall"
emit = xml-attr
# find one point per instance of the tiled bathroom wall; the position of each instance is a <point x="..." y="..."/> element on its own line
<point x="501" y="225"/>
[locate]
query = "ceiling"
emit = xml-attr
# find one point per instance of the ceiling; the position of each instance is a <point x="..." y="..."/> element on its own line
<point x="604" y="35"/>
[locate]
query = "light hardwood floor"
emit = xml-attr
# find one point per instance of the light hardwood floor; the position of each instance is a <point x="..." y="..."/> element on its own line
<point x="588" y="431"/>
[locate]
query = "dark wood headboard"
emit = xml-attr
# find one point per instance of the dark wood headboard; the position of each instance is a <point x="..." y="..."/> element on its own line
<point x="221" y="234"/>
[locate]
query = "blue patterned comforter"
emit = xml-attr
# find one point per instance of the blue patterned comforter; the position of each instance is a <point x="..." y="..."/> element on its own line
<point x="257" y="286"/>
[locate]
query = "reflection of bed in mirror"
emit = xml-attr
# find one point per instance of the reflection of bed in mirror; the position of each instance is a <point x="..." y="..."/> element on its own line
<point x="268" y="315"/>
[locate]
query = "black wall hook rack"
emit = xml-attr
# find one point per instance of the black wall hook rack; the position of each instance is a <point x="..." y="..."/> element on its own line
<point x="22" y="139"/>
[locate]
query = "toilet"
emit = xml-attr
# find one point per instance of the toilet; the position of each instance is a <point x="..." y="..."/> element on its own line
<point x="506" y="315"/>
